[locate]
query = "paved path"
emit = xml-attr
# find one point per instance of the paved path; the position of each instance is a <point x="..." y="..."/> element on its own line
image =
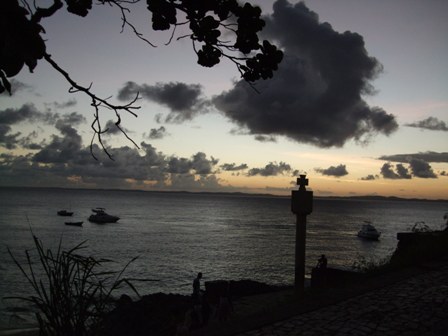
<point x="408" y="302"/>
<point x="415" y="306"/>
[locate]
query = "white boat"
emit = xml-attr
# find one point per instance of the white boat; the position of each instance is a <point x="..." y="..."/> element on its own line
<point x="368" y="231"/>
<point x="101" y="217"/>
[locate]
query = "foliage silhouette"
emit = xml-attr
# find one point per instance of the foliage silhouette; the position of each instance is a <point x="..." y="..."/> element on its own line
<point x="71" y="296"/>
<point x="21" y="41"/>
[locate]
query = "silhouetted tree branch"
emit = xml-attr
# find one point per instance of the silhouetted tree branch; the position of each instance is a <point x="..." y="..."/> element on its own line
<point x="21" y="42"/>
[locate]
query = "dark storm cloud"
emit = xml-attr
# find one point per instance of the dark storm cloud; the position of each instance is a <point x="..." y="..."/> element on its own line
<point x="337" y="171"/>
<point x="157" y="133"/>
<point x="184" y="100"/>
<point x="401" y="172"/>
<point x="421" y="169"/>
<point x="315" y="96"/>
<point x="233" y="166"/>
<point x="430" y="123"/>
<point x="271" y="169"/>
<point x="425" y="156"/>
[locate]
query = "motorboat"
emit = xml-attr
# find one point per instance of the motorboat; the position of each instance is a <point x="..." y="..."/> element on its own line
<point x="74" y="223"/>
<point x="368" y="231"/>
<point x="100" y="216"/>
<point x="65" y="213"/>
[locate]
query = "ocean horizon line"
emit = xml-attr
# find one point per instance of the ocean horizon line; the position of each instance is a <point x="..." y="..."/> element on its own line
<point x="239" y="193"/>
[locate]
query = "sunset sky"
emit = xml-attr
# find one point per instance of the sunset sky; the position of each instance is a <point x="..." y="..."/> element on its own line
<point x="359" y="104"/>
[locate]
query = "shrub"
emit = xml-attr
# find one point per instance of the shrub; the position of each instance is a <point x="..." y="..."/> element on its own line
<point x="71" y="295"/>
<point x="371" y="265"/>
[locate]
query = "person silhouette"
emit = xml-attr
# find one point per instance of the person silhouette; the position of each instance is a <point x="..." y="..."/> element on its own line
<point x="322" y="262"/>
<point x="197" y="286"/>
<point x="197" y="299"/>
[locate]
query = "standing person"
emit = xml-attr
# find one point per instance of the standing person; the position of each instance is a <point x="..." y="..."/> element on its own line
<point x="322" y="262"/>
<point x="197" y="300"/>
<point x="197" y="287"/>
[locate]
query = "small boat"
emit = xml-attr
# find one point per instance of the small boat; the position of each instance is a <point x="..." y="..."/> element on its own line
<point x="368" y="231"/>
<point x="74" y="223"/>
<point x="65" y="213"/>
<point x="100" y="216"/>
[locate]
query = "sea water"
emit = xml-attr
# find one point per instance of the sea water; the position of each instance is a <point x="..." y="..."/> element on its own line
<point x="176" y="235"/>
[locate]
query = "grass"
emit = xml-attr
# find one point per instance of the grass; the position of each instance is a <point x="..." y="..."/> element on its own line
<point x="70" y="291"/>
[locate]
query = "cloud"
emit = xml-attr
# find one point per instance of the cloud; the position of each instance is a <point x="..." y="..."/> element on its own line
<point x="315" y="96"/>
<point x="67" y="104"/>
<point x="271" y="169"/>
<point x="369" y="177"/>
<point x="265" y="138"/>
<point x="421" y="168"/>
<point x="17" y="86"/>
<point x="417" y="168"/>
<point x="191" y="182"/>
<point x="8" y="140"/>
<point x="65" y="156"/>
<point x="185" y="101"/>
<point x="110" y="128"/>
<point x="61" y="149"/>
<point x="198" y="164"/>
<point x="27" y="112"/>
<point x="28" y="142"/>
<point x="337" y="171"/>
<point x="387" y="170"/>
<point x="202" y="165"/>
<point x="425" y="156"/>
<point x="156" y="133"/>
<point x="233" y="166"/>
<point x="12" y="116"/>
<point x="430" y="123"/>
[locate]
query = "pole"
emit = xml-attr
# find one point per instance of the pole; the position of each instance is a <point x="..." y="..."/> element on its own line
<point x="301" y="206"/>
<point x="299" y="280"/>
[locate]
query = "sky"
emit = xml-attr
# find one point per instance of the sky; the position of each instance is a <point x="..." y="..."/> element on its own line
<point x="359" y="104"/>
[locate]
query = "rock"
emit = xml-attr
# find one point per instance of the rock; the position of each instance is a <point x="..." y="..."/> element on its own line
<point x="155" y="314"/>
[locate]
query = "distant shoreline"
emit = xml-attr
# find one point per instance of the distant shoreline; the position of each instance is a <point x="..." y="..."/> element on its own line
<point x="242" y="194"/>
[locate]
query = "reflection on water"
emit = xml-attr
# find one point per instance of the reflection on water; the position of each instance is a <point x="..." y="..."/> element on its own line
<point x="176" y="235"/>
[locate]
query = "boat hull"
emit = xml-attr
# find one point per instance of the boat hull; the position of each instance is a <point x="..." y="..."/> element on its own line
<point x="368" y="236"/>
<point x="103" y="219"/>
<point x="65" y="213"/>
<point x="74" y="223"/>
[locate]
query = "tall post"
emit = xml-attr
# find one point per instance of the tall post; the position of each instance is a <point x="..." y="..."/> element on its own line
<point x="301" y="206"/>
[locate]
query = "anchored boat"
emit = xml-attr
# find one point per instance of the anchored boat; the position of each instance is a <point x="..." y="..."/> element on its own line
<point x="368" y="231"/>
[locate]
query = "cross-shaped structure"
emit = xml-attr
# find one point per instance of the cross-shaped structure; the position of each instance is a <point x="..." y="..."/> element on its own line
<point x="302" y="182"/>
